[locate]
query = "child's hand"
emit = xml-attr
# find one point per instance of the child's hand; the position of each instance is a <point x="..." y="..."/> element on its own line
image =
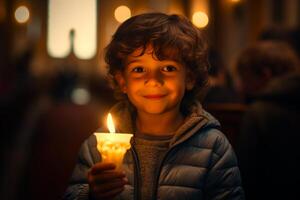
<point x="105" y="182"/>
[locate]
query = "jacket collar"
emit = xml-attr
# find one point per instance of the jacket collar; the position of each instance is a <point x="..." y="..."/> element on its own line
<point x="124" y="116"/>
<point x="197" y="120"/>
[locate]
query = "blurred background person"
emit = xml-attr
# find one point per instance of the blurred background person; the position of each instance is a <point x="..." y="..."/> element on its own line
<point x="283" y="34"/>
<point x="267" y="146"/>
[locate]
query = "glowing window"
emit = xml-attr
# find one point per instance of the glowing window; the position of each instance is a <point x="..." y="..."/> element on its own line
<point x="72" y="22"/>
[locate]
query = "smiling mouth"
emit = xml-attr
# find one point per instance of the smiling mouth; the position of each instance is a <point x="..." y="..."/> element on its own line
<point x="154" y="96"/>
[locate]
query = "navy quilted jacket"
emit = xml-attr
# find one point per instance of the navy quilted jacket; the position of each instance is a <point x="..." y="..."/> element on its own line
<point x="200" y="163"/>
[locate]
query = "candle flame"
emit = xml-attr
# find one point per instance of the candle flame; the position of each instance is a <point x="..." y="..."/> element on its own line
<point x="110" y="124"/>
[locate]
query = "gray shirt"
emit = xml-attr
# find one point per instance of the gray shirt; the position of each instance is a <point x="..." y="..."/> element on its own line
<point x="153" y="148"/>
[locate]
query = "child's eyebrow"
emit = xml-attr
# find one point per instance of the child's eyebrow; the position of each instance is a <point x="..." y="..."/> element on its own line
<point x="169" y="61"/>
<point x="133" y="61"/>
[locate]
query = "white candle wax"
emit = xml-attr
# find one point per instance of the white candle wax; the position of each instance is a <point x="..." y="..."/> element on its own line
<point x="113" y="146"/>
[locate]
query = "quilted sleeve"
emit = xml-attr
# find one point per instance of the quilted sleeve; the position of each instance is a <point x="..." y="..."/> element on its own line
<point x="223" y="180"/>
<point x="78" y="188"/>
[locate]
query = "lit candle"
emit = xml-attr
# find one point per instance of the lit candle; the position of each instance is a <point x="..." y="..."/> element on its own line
<point x="113" y="146"/>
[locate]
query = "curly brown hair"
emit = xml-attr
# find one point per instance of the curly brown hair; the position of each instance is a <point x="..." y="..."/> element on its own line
<point x="171" y="37"/>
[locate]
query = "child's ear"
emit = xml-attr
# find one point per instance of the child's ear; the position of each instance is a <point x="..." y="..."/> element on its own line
<point x="119" y="77"/>
<point x="190" y="82"/>
<point x="189" y="85"/>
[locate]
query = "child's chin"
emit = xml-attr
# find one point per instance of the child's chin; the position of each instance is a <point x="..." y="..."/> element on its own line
<point x="155" y="110"/>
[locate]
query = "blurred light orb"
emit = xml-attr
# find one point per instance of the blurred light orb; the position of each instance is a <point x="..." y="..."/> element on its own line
<point x="22" y="14"/>
<point x="122" y="13"/>
<point x="200" y="19"/>
<point x="235" y="1"/>
<point x="80" y="96"/>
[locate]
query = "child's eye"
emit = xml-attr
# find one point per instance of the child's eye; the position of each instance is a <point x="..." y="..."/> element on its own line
<point x="138" y="69"/>
<point x="169" y="68"/>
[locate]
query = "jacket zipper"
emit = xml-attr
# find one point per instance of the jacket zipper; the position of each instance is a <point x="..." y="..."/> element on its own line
<point x="159" y="171"/>
<point x="136" y="174"/>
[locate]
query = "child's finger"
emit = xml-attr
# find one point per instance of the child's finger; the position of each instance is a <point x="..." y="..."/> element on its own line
<point x="109" y="186"/>
<point x="108" y="176"/>
<point x="110" y="194"/>
<point x="99" y="167"/>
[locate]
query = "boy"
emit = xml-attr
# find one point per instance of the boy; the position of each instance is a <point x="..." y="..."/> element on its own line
<point x="159" y="65"/>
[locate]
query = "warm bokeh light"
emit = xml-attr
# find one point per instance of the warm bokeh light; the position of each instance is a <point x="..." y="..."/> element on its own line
<point x="200" y="19"/>
<point x="80" y="96"/>
<point x="63" y="18"/>
<point x="235" y="1"/>
<point x="22" y="14"/>
<point x="122" y="13"/>
<point x="110" y="124"/>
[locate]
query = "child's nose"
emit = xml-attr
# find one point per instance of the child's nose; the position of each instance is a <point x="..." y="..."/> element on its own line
<point x="154" y="79"/>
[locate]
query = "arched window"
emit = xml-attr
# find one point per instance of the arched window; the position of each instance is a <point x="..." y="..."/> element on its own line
<point x="72" y="24"/>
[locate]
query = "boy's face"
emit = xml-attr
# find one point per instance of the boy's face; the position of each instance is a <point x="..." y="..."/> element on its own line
<point x="154" y="86"/>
